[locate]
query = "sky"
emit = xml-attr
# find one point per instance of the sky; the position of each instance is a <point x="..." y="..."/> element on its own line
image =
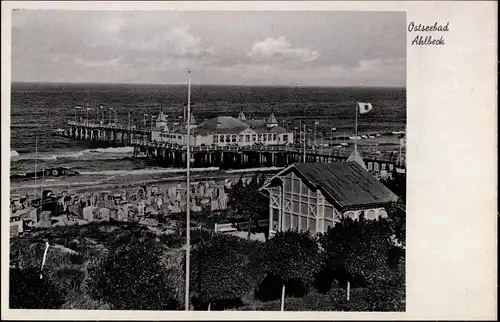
<point x="313" y="48"/>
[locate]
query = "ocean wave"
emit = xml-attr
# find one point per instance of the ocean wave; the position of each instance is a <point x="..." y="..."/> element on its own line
<point x="126" y="149"/>
<point x="88" y="154"/>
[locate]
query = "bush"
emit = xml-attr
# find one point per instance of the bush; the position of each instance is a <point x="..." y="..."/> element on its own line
<point x="28" y="291"/>
<point x="131" y="277"/>
<point x="358" y="251"/>
<point x="221" y="274"/>
<point x="290" y="258"/>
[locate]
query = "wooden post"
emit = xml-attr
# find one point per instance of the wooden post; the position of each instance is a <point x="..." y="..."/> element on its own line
<point x="209" y="306"/>
<point x="283" y="298"/>
<point x="348" y="290"/>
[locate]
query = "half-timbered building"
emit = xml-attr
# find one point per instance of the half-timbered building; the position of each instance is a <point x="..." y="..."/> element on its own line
<point x="314" y="196"/>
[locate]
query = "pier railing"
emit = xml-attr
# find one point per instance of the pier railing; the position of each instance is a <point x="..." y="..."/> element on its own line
<point x="116" y="127"/>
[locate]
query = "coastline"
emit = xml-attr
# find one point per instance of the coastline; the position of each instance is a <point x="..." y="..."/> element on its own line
<point x="131" y="181"/>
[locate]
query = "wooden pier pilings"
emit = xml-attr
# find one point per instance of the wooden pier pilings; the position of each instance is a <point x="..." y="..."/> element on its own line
<point x="171" y="155"/>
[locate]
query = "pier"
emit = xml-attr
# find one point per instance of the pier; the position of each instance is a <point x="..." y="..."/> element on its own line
<point x="114" y="134"/>
<point x="165" y="154"/>
<point x="240" y="157"/>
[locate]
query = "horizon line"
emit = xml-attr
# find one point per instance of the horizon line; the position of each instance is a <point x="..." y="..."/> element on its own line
<point x="182" y="84"/>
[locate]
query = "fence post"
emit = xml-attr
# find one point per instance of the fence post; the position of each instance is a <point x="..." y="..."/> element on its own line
<point x="283" y="298"/>
<point x="348" y="290"/>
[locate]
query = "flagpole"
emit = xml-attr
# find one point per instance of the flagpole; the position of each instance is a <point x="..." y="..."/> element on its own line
<point x="314" y="140"/>
<point x="356" y="130"/>
<point x="304" y="156"/>
<point x="188" y="193"/>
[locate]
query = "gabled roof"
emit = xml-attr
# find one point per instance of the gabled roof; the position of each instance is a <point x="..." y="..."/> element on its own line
<point x="161" y="117"/>
<point x="344" y="184"/>
<point x="272" y="119"/>
<point x="356" y="157"/>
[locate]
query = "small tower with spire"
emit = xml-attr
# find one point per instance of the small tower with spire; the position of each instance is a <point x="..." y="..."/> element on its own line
<point x="271" y="121"/>
<point x="192" y="121"/>
<point x="356" y="157"/>
<point x="161" y="121"/>
<point x="242" y="116"/>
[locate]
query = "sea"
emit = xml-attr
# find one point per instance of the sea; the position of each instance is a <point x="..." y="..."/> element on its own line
<point x="37" y="110"/>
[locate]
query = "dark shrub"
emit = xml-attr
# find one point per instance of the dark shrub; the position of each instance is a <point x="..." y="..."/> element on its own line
<point x="28" y="291"/>
<point x="293" y="258"/>
<point x="131" y="277"/>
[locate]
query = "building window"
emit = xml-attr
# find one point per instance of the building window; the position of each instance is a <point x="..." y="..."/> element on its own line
<point x="254" y="137"/>
<point x="285" y="137"/>
<point x="233" y="138"/>
<point x="216" y="138"/>
<point x="295" y="206"/>
<point x="228" y="138"/>
<point x="275" y="137"/>
<point x="179" y="137"/>
<point x="287" y="184"/>
<point x="296" y="185"/>
<point x="294" y="224"/>
<point x="370" y="214"/>
<point x="286" y="221"/>
<point x="221" y="139"/>
<point x="247" y="138"/>
<point x="264" y="137"/>
<point x="303" y="223"/>
<point x="303" y="208"/>
<point x="269" y="137"/>
<point x="240" y="138"/>
<point x="382" y="213"/>
<point x="329" y="212"/>
<point x="312" y="226"/>
<point x="260" y="137"/>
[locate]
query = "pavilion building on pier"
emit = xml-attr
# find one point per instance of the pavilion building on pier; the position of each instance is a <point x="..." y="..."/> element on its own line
<point x="223" y="131"/>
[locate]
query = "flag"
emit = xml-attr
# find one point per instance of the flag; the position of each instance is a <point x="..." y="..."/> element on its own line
<point x="316" y="122"/>
<point x="78" y="107"/>
<point x="101" y="107"/>
<point x="334" y="129"/>
<point x="110" y="108"/>
<point x="89" y="108"/>
<point x="364" y="107"/>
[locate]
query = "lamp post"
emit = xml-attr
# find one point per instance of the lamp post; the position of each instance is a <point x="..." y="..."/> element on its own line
<point x="110" y="112"/>
<point x="145" y="114"/>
